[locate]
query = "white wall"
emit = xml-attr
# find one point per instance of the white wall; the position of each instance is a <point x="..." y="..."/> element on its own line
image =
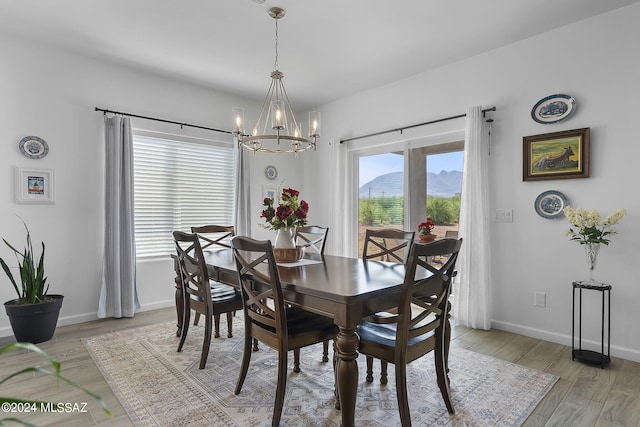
<point x="52" y="94"/>
<point x="596" y="61"/>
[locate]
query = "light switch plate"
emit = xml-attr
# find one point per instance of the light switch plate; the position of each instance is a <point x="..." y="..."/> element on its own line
<point x="504" y="215"/>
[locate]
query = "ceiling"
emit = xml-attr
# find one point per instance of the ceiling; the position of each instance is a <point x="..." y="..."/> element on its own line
<point x="328" y="49"/>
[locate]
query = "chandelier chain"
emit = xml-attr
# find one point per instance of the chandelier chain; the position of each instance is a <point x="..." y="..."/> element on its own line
<point x="275" y="65"/>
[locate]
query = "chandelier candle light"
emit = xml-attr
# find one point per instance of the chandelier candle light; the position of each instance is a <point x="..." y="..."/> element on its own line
<point x="276" y="122"/>
<point x="592" y="230"/>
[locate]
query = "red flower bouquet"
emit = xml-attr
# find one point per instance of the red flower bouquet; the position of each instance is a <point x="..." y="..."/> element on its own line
<point x="424" y="228"/>
<point x="290" y="212"/>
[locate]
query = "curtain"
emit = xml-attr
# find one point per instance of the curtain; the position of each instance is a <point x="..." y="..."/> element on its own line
<point x="242" y="214"/>
<point x="472" y="305"/>
<point x="340" y="205"/>
<point x="118" y="296"/>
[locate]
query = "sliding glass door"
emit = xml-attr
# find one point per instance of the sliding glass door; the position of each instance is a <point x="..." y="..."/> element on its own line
<point x="400" y="189"/>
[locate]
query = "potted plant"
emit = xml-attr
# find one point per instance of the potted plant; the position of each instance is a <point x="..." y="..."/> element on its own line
<point x="34" y="314"/>
<point x="424" y="231"/>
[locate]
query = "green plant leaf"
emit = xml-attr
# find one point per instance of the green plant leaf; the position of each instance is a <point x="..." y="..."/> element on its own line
<point x="55" y="373"/>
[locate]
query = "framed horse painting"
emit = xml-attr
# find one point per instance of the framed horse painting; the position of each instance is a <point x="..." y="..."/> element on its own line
<point x="556" y="155"/>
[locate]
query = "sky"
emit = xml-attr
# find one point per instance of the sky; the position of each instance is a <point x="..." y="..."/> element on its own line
<point x="373" y="166"/>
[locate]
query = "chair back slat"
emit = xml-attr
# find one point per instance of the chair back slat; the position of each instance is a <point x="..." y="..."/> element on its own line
<point x="193" y="269"/>
<point x="388" y="244"/>
<point x="259" y="283"/>
<point x="424" y="302"/>
<point x="214" y="235"/>
<point x="312" y="237"/>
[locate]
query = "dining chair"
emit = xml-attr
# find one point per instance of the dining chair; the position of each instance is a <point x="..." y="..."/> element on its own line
<point x="201" y="294"/>
<point x="268" y="318"/>
<point x="387" y="244"/>
<point x="418" y="326"/>
<point x="215" y="237"/>
<point x="451" y="234"/>
<point x="313" y="238"/>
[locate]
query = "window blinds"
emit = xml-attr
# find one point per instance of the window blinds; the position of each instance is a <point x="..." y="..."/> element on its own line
<point x="177" y="185"/>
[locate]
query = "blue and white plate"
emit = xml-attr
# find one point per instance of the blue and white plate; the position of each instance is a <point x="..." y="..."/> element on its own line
<point x="33" y="147"/>
<point x="550" y="204"/>
<point x="553" y="109"/>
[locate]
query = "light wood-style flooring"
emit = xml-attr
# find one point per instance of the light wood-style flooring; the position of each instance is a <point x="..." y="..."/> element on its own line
<point x="584" y="396"/>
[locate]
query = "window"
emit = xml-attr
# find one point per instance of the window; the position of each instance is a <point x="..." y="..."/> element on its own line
<point x="179" y="183"/>
<point x="444" y="187"/>
<point x="434" y="183"/>
<point x="381" y="197"/>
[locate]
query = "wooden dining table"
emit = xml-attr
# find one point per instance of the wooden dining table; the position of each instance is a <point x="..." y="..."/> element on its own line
<point x="344" y="289"/>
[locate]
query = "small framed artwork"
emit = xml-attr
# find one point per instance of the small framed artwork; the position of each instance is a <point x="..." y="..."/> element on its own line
<point x="35" y="186"/>
<point x="270" y="192"/>
<point x="556" y="155"/>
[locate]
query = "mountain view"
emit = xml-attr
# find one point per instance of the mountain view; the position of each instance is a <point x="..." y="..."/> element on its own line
<point x="443" y="184"/>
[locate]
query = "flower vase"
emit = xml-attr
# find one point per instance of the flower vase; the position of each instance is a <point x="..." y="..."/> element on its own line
<point x="426" y="238"/>
<point x="285" y="238"/>
<point x="592" y="250"/>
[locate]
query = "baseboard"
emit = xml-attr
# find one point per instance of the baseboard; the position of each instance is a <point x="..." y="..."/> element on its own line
<point x="616" y="351"/>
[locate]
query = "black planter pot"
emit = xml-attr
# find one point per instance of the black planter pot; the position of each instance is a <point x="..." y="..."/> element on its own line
<point x="34" y="323"/>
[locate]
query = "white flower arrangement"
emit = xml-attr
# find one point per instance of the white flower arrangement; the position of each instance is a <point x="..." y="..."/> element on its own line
<point x="590" y="227"/>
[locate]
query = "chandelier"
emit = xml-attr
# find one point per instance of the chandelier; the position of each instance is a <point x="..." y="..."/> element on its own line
<point x="276" y="130"/>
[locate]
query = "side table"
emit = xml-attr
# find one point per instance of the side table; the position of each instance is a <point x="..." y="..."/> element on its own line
<point x="588" y="356"/>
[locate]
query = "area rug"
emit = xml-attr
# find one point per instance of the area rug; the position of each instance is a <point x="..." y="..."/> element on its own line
<point x="160" y="387"/>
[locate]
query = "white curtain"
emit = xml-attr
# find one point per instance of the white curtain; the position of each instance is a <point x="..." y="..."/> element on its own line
<point x="338" y="242"/>
<point x="118" y="296"/>
<point x="242" y="214"/>
<point x="472" y="291"/>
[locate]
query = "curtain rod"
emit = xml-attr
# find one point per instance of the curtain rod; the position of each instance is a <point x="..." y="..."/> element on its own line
<point x="412" y="126"/>
<point x="162" y="120"/>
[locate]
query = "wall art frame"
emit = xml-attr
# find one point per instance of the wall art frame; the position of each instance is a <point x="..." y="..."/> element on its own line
<point x="270" y="191"/>
<point x="35" y="186"/>
<point x="556" y="155"/>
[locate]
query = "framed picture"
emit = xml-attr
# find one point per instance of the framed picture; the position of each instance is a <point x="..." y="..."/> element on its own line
<point x="556" y="155"/>
<point x="269" y="191"/>
<point x="35" y="185"/>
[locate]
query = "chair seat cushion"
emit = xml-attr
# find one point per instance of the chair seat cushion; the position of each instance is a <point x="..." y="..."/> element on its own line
<point x="221" y="292"/>
<point x="385" y="334"/>
<point x="300" y="321"/>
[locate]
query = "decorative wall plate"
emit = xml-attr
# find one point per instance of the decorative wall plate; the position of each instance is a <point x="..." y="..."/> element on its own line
<point x="271" y="172"/>
<point x="553" y="109"/>
<point x="33" y="147"/>
<point x="550" y="204"/>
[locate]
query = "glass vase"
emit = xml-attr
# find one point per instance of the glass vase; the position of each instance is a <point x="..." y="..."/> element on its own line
<point x="285" y="238"/>
<point x="592" y="250"/>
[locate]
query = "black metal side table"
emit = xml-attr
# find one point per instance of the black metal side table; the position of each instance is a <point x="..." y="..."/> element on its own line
<point x="588" y="356"/>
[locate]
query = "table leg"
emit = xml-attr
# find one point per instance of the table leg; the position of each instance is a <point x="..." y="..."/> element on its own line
<point x="347" y="343"/>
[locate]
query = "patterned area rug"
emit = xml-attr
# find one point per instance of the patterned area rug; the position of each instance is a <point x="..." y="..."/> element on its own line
<point x="160" y="387"/>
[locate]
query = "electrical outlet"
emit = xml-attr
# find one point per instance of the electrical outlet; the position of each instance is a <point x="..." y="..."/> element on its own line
<point x="540" y="299"/>
<point x="504" y="215"/>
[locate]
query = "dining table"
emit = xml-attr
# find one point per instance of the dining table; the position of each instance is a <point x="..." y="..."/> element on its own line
<point x="342" y="288"/>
